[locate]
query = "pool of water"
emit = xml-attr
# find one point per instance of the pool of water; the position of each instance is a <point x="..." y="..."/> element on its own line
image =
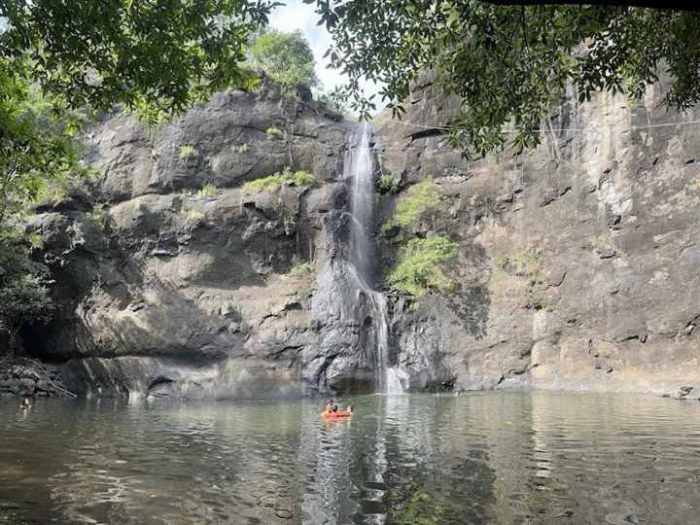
<point x="408" y="459"/>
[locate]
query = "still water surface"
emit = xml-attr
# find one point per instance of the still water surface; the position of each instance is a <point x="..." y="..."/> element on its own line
<point x="481" y="458"/>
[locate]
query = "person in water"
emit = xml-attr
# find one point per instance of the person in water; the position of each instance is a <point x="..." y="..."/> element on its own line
<point x="349" y="409"/>
<point x="330" y="407"/>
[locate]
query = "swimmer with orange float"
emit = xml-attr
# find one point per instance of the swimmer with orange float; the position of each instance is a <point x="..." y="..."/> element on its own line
<point x="331" y="411"/>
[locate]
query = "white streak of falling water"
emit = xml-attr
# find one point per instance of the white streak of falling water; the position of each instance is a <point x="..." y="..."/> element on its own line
<point x="360" y="167"/>
<point x="362" y="206"/>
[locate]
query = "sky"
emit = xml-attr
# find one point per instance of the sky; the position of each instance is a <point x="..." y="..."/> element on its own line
<point x="297" y="15"/>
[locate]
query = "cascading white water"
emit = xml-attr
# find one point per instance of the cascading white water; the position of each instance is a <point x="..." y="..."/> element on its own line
<point x="359" y="167"/>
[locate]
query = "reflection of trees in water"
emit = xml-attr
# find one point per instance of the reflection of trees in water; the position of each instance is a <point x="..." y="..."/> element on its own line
<point x="435" y="478"/>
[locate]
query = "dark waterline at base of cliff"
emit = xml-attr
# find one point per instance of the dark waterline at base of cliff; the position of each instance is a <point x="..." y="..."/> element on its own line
<point x="477" y="458"/>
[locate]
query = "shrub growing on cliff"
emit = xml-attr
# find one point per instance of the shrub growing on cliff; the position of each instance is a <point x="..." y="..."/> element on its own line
<point x="525" y="263"/>
<point x="387" y="184"/>
<point x="274" y="182"/>
<point x="302" y="178"/>
<point x="419" y="268"/>
<point x="301" y="269"/>
<point x="418" y="199"/>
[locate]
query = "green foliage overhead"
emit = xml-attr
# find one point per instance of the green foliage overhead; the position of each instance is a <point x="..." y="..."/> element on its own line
<point x="162" y="53"/>
<point x="36" y="140"/>
<point x="274" y="182"/>
<point x="418" y="199"/>
<point x="335" y="99"/>
<point x="419" y="267"/>
<point x="285" y="57"/>
<point x="510" y="64"/>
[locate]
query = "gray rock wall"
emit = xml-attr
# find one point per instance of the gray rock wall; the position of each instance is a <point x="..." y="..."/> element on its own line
<point x="165" y="289"/>
<point x="579" y="261"/>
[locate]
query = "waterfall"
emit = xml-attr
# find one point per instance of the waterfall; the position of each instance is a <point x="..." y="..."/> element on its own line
<point x="359" y="169"/>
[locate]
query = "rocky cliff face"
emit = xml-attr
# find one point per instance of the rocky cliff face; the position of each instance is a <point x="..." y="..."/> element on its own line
<point x="171" y="278"/>
<point x="578" y="262"/>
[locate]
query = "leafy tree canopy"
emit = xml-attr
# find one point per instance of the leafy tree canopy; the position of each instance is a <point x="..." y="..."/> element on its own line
<point x="334" y="99"/>
<point x="163" y="53"/>
<point x="34" y="145"/>
<point x="285" y="57"/>
<point x="510" y="64"/>
<point x="155" y="57"/>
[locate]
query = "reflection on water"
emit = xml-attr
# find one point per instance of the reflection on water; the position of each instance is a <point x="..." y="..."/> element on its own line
<point x="482" y="458"/>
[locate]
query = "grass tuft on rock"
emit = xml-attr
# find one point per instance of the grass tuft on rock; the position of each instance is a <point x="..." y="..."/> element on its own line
<point x="419" y="268"/>
<point x="208" y="191"/>
<point x="301" y="269"/>
<point x="187" y="151"/>
<point x="274" y="133"/>
<point x="274" y="182"/>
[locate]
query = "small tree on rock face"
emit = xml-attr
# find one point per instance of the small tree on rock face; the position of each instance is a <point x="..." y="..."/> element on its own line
<point x="24" y="294"/>
<point x="285" y="57"/>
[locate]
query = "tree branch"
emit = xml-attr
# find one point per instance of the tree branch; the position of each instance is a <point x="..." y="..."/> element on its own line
<point x="653" y="4"/>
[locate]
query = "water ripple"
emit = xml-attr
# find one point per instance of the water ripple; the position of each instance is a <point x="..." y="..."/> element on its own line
<point x="482" y="458"/>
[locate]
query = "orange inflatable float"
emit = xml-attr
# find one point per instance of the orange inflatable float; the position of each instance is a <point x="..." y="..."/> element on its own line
<point x="340" y="414"/>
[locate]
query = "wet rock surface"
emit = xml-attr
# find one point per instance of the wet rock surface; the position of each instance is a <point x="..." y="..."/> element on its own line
<point x="28" y="378"/>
